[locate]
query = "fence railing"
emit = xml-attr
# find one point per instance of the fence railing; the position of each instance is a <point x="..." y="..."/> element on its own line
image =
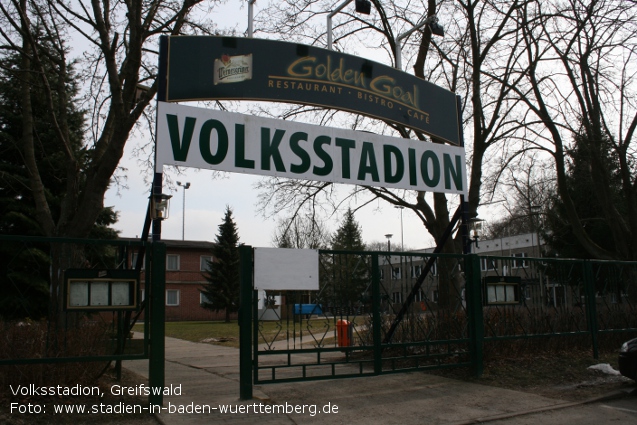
<point x="36" y="326"/>
<point x="463" y="309"/>
<point x="61" y="330"/>
<point x="564" y="302"/>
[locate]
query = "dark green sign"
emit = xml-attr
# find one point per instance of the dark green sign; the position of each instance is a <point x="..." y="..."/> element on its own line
<point x="202" y="67"/>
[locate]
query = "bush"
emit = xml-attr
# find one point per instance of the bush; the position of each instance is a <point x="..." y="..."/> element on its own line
<point x="33" y="340"/>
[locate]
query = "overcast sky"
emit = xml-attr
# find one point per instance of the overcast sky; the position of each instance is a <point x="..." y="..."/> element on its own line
<point x="207" y="198"/>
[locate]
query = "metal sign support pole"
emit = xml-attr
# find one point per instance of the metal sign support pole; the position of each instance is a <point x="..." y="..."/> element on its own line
<point x="156" y="363"/>
<point x="245" y="323"/>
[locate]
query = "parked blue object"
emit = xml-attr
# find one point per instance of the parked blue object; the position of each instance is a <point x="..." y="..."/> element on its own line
<point x="308" y="309"/>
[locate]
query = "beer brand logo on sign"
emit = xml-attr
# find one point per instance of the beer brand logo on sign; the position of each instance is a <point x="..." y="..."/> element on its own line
<point x="233" y="69"/>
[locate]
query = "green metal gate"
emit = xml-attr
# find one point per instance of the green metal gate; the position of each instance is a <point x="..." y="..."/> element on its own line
<point x="353" y="326"/>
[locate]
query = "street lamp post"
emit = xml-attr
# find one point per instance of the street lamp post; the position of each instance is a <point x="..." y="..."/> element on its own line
<point x="183" y="223"/>
<point x="402" y="239"/>
<point x="251" y="18"/>
<point x="362" y="6"/>
<point x="536" y="210"/>
<point x="388" y="258"/>
<point x="436" y="29"/>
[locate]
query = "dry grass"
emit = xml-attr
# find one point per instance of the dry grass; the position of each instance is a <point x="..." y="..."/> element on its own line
<point x="563" y="375"/>
<point x="27" y="339"/>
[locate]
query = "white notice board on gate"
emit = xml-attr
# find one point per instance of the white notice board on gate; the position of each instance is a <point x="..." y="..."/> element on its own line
<point x="284" y="269"/>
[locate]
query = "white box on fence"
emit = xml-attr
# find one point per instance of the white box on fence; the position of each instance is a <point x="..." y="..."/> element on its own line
<point x="286" y="269"/>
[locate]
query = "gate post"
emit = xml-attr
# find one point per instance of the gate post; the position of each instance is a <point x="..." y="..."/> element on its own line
<point x="378" y="361"/>
<point x="245" y="322"/>
<point x="156" y="368"/>
<point x="473" y="293"/>
<point x="591" y="305"/>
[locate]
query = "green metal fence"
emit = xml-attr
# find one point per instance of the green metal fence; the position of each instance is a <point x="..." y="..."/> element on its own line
<point x="45" y="339"/>
<point x="458" y="309"/>
<point x="566" y="303"/>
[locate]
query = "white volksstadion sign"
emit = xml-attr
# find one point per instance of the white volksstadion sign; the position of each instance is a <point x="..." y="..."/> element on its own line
<point x="218" y="140"/>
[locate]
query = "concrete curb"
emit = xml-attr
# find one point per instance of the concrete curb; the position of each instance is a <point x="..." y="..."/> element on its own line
<point x="607" y="397"/>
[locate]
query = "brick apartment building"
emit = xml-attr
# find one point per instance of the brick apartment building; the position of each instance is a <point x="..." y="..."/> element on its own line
<point x="186" y="261"/>
<point x="399" y="273"/>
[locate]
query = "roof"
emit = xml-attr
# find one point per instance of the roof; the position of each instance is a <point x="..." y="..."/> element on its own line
<point x="174" y="243"/>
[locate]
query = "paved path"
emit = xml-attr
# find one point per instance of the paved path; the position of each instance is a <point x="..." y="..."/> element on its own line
<point x="209" y="376"/>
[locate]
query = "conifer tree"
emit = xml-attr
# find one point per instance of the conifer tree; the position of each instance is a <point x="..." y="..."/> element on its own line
<point x="589" y="160"/>
<point x="349" y="235"/>
<point x="25" y="273"/>
<point x="348" y="274"/>
<point x="222" y="289"/>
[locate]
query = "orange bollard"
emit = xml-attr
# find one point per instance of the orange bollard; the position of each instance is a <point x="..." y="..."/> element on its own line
<point x="343" y="333"/>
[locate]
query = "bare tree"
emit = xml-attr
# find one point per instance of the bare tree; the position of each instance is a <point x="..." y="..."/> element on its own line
<point x="525" y="189"/>
<point x="301" y="232"/>
<point x="578" y="78"/>
<point x="481" y="40"/>
<point x="118" y="46"/>
<point x="120" y="71"/>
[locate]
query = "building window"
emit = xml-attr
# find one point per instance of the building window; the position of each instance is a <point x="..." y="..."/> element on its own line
<point x="172" y="262"/>
<point x="527" y="292"/>
<point x="382" y="273"/>
<point x="435" y="296"/>
<point x="420" y="296"/>
<point x="415" y="271"/>
<point x="203" y="298"/>
<point x="204" y="263"/>
<point x="487" y="264"/>
<point x="133" y="260"/>
<point x="519" y="262"/>
<point x="395" y="273"/>
<point x="397" y="297"/>
<point x="172" y="297"/>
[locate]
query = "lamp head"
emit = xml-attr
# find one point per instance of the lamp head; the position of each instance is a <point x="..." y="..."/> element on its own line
<point x="437" y="29"/>
<point x="160" y="205"/>
<point x="363" y="6"/>
<point x="475" y="227"/>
